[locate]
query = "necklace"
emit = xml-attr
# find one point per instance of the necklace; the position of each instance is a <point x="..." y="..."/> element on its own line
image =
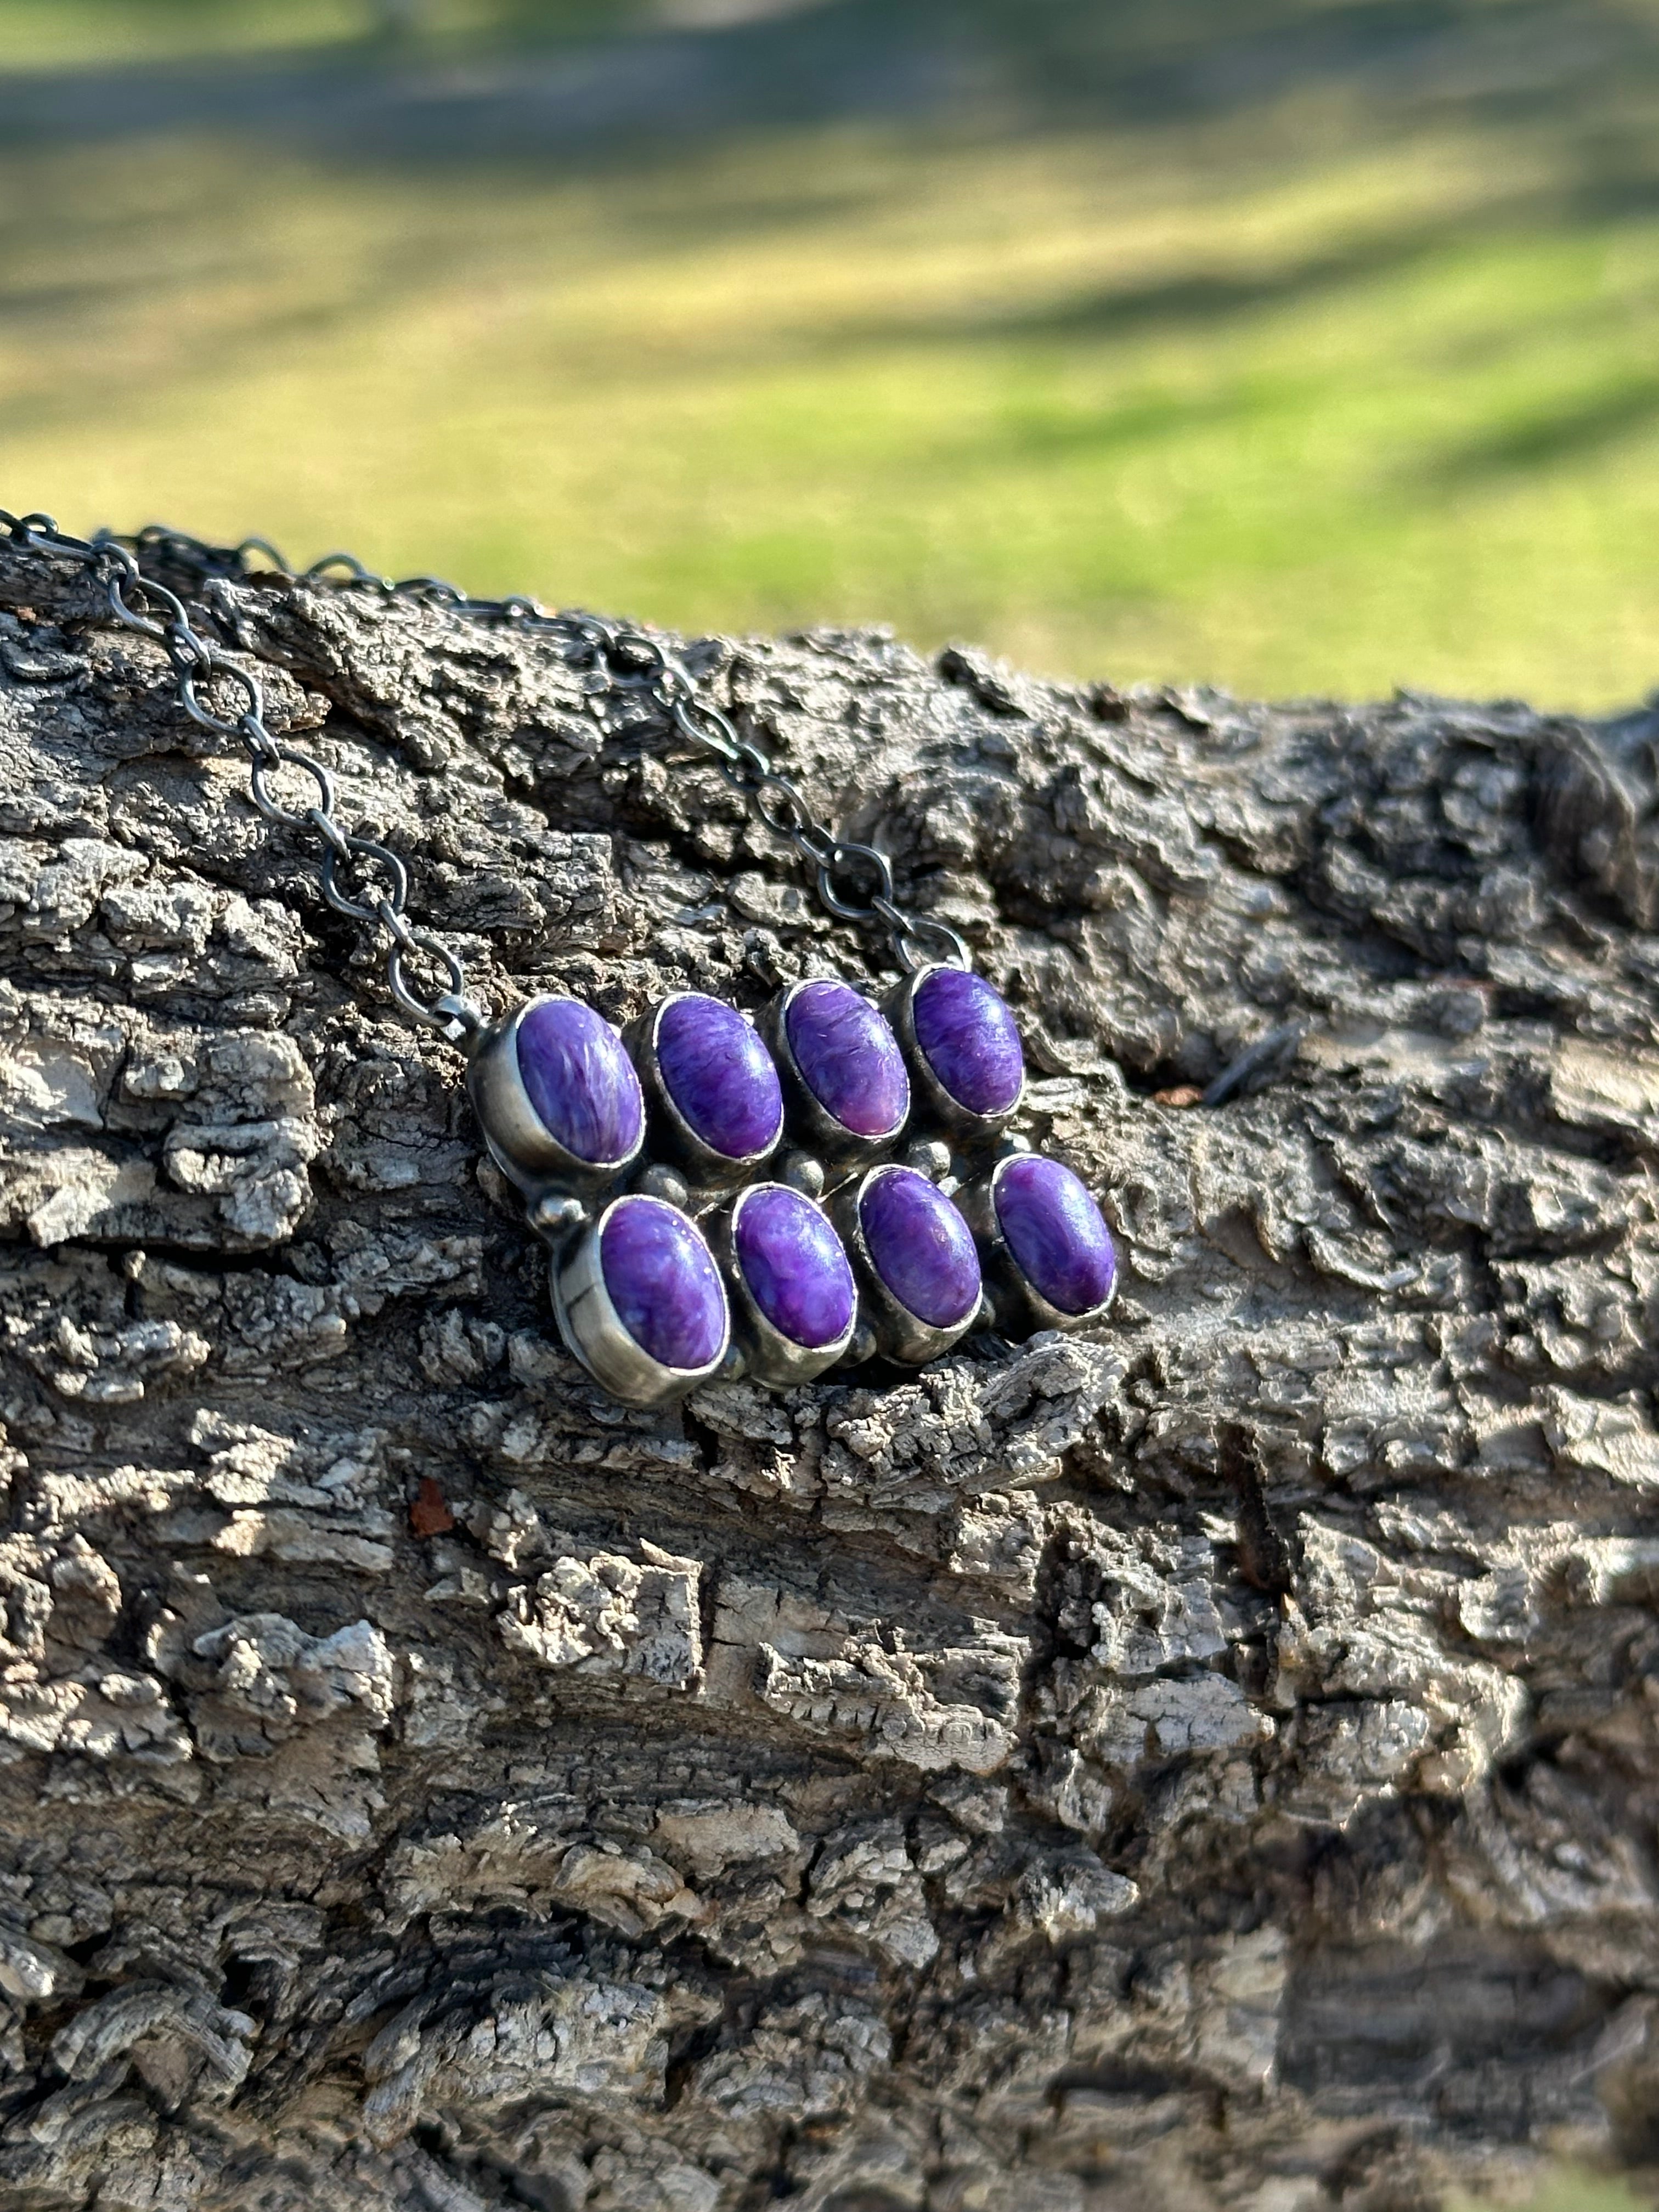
<point x="720" y="1197"/>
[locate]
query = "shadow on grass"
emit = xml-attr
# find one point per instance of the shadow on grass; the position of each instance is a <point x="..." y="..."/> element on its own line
<point x="1132" y="64"/>
<point x="1137" y="419"/>
<point x="560" y="104"/>
<point x="1576" y="428"/>
<point x="578" y="108"/>
<point x="1202" y="296"/>
<point x="460" y="153"/>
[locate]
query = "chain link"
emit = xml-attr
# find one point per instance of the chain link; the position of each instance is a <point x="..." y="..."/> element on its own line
<point x="854" y="881"/>
<point x="624" y="658"/>
<point x="200" y="664"/>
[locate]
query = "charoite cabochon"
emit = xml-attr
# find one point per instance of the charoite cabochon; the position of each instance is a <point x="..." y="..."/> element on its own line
<point x="707" y="1262"/>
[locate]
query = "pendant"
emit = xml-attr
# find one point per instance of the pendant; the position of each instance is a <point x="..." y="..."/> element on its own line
<point x="712" y="1092"/>
<point x="963" y="1046"/>
<point x="794" y="1303"/>
<point x="917" y="1266"/>
<point x="848" y="1092"/>
<point x="721" y="1196"/>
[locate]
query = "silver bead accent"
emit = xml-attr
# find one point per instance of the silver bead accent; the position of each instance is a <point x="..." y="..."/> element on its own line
<point x="803" y="1173"/>
<point x="862" y="1347"/>
<point x="929" y="1157"/>
<point x="664" y="1182"/>
<point x="556" y="1216"/>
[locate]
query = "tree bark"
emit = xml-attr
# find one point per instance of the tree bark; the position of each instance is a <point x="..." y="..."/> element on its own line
<point x="1212" y="1762"/>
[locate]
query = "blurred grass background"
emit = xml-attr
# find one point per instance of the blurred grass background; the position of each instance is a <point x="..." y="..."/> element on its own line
<point x="1288" y="344"/>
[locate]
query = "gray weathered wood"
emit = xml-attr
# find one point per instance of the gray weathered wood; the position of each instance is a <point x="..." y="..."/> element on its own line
<point x="1210" y="1765"/>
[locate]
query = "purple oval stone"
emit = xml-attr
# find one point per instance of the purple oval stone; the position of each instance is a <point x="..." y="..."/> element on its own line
<point x="580" y="1080"/>
<point x="848" y="1058"/>
<point x="968" y="1037"/>
<point x="792" y="1262"/>
<point x="1057" y="1233"/>
<point x="920" y="1246"/>
<point x="663" y="1282"/>
<point x="719" y="1075"/>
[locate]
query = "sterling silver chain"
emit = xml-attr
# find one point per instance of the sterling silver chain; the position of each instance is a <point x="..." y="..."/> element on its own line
<point x="363" y="878"/>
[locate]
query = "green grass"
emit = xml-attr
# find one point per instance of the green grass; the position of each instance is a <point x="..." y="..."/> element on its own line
<point x="50" y="34"/>
<point x="1331" y="388"/>
<point x="1571" y="2188"/>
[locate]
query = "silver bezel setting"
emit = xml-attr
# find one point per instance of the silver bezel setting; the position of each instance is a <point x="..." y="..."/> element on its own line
<point x="520" y="1142"/>
<point x="707" y="1169"/>
<point x="1019" y="1306"/>
<point x="841" y="1150"/>
<point x="926" y="1090"/>
<point x="900" y="1335"/>
<point x="768" y="1356"/>
<point x="593" y="1331"/>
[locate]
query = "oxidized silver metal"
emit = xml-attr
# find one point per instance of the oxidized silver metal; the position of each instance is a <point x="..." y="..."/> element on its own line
<point x="617" y="655"/>
<point x="1018" y="1308"/>
<point x="765" y="1351"/>
<point x="592" y="1329"/>
<point x="143" y="604"/>
<point x="900" y="1335"/>
<point x="937" y="1103"/>
<point x="520" y="1143"/>
<point x="706" y="1168"/>
<point x="837" y="1148"/>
